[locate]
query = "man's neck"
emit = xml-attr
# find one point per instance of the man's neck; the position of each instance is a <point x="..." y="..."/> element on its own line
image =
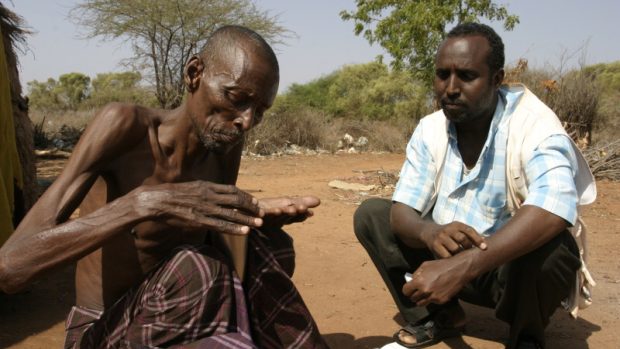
<point x="476" y="129"/>
<point x="178" y="139"/>
<point x="471" y="136"/>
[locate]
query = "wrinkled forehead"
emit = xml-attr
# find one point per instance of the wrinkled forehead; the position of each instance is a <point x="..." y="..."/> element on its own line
<point x="247" y="66"/>
<point x="243" y="60"/>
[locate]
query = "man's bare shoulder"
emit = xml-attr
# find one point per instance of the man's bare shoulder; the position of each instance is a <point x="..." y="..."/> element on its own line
<point x="125" y="115"/>
<point x="119" y="123"/>
<point x="116" y="129"/>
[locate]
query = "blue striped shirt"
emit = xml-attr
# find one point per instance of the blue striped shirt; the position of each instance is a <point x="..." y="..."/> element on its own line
<point x="478" y="198"/>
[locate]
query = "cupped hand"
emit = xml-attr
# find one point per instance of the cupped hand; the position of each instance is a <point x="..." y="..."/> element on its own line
<point x="200" y="206"/>
<point x="288" y="209"/>
<point x="449" y="239"/>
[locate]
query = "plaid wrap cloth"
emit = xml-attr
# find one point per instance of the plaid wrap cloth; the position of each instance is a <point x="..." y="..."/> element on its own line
<point x="196" y="300"/>
<point x="279" y="317"/>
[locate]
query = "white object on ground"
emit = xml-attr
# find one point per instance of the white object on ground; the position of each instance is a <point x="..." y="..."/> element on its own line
<point x="393" y="345"/>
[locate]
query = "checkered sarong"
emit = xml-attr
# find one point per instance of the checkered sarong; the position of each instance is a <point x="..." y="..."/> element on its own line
<point x="196" y="300"/>
<point x="279" y="318"/>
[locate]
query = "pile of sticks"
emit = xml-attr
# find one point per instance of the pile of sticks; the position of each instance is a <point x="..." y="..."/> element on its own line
<point x="604" y="160"/>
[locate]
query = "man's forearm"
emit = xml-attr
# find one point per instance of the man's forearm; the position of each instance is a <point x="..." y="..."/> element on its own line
<point x="529" y="229"/>
<point x="21" y="260"/>
<point x="408" y="225"/>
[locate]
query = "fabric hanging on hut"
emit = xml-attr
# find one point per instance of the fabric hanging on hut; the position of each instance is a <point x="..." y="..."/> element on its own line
<point x="10" y="168"/>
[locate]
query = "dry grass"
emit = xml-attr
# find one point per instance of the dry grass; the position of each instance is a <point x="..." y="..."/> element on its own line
<point x="315" y="130"/>
<point x="573" y="96"/>
<point x="52" y="122"/>
<point x="307" y="128"/>
<point x="59" y="129"/>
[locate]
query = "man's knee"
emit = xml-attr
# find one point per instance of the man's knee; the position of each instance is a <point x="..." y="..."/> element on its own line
<point x="193" y="293"/>
<point x="371" y="215"/>
<point x="560" y="268"/>
<point x="196" y="269"/>
<point x="553" y="266"/>
<point x="280" y="243"/>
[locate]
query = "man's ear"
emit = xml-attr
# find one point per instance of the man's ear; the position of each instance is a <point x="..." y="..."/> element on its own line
<point x="193" y="73"/>
<point x="498" y="79"/>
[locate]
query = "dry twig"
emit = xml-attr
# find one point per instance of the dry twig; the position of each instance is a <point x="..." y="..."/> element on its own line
<point x="604" y="160"/>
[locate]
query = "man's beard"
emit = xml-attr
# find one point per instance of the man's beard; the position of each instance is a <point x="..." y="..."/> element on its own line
<point x="219" y="138"/>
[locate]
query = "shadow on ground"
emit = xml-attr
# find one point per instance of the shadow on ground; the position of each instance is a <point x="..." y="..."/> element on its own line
<point x="39" y="307"/>
<point x="48" y="301"/>
<point x="345" y="340"/>
<point x="563" y="332"/>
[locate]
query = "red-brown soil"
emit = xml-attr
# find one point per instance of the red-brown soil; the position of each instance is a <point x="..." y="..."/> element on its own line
<point x="336" y="277"/>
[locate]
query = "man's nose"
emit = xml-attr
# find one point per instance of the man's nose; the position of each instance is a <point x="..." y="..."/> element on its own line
<point x="245" y="120"/>
<point x="453" y="88"/>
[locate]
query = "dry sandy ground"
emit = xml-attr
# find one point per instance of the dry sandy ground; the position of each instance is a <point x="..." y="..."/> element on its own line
<point x="335" y="276"/>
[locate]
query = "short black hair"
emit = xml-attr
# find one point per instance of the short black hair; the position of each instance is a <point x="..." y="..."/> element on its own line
<point x="496" y="57"/>
<point x="229" y="35"/>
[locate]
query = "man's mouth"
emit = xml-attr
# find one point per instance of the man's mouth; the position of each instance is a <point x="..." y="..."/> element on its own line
<point x="228" y="137"/>
<point x="452" y="105"/>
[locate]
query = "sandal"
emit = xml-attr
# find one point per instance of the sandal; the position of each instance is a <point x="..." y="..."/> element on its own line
<point x="427" y="332"/>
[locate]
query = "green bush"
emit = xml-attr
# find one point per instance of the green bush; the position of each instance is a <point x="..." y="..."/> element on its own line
<point x="607" y="76"/>
<point x="361" y="92"/>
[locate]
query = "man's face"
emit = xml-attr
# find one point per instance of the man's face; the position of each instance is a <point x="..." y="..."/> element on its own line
<point x="463" y="83"/>
<point x="235" y="92"/>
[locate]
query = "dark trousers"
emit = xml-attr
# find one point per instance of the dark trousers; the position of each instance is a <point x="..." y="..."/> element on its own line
<point x="524" y="292"/>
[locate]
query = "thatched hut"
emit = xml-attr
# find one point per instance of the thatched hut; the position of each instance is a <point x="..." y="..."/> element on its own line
<point x="24" y="187"/>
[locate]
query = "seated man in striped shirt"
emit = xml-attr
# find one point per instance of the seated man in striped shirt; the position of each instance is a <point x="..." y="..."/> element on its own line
<point x="489" y="188"/>
<point x="156" y="191"/>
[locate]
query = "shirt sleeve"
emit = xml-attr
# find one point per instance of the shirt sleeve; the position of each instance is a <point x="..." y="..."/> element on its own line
<point x="551" y="175"/>
<point x="416" y="183"/>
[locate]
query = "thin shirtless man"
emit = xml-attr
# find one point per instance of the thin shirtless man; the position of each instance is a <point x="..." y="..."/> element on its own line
<point x="155" y="188"/>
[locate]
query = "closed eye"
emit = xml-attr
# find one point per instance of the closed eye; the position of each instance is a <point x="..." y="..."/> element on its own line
<point x="467" y="75"/>
<point x="239" y="99"/>
<point x="442" y="74"/>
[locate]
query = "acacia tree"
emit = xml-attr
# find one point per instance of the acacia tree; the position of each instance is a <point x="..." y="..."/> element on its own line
<point x="411" y="31"/>
<point x="72" y="89"/>
<point x="165" y="33"/>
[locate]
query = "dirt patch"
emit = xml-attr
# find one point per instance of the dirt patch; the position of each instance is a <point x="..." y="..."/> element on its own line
<point x="336" y="277"/>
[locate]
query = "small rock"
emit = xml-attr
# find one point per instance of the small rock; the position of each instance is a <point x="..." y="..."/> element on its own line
<point x="350" y="186"/>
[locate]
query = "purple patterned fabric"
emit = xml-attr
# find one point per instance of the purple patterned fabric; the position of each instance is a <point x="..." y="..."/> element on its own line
<point x="196" y="300"/>
<point x="278" y="314"/>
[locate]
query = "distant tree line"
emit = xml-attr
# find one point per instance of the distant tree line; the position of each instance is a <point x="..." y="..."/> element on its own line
<point x="76" y="91"/>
